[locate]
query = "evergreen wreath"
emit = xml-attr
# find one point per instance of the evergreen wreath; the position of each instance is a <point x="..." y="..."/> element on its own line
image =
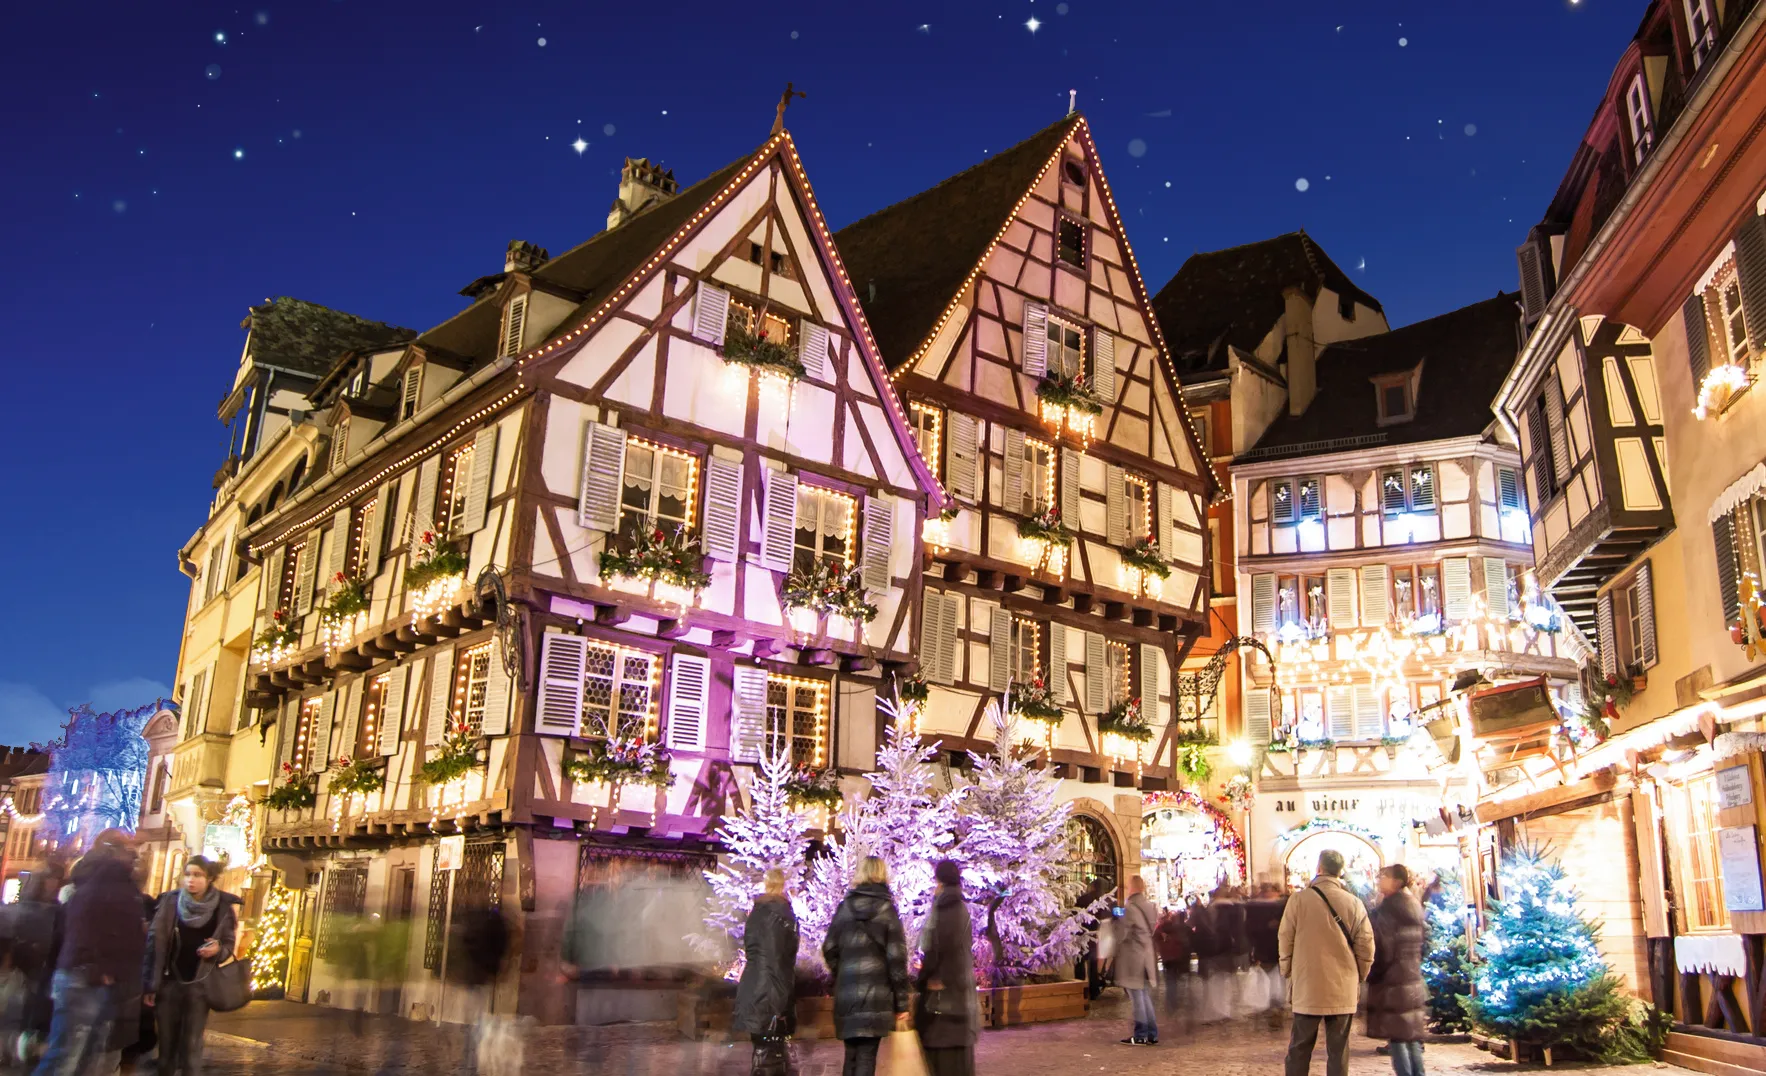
<point x="1036" y="702"/>
<point x="1045" y="527"/>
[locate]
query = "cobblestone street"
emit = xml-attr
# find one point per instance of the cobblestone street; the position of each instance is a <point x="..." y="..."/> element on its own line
<point x="281" y="1038"/>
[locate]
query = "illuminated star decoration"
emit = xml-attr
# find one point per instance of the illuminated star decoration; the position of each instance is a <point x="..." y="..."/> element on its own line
<point x="1033" y="24"/>
<point x="579" y="145"/>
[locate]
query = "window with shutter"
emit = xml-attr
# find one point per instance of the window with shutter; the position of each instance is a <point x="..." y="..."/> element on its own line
<point x="603" y="471"/>
<point x="1457" y="579"/>
<point x="1150" y="660"/>
<point x="319" y="741"/>
<point x="1728" y="579"/>
<point x="797" y="719"/>
<point x="1533" y="297"/>
<point x="689" y="695"/>
<point x="928" y="427"/>
<point x="1281" y="501"/>
<point x="1554" y="420"/>
<point x="1263" y="603"/>
<point x="340" y="445"/>
<point x="456" y="481"/>
<point x="748" y="712"/>
<point x="337" y="557"/>
<point x="391" y="719"/>
<point x="934" y="665"/>
<point x="619" y="693"/>
<point x="711" y="313"/>
<point x="494" y="717"/>
<point x="1701" y="30"/>
<point x="1496" y="587"/>
<point x="1070" y="471"/>
<point x="999" y="649"/>
<point x="1115" y="506"/>
<point x="193" y="704"/>
<point x="478" y="484"/>
<point x="1258" y="728"/>
<point x="1609" y="646"/>
<point x="723" y="508"/>
<point x="411" y="392"/>
<point x="1097" y="673"/>
<point x="1747" y="317"/>
<point x="1642" y="610"/>
<point x="422" y="508"/>
<point x="1058" y="679"/>
<point x="300" y="757"/>
<point x="954" y="653"/>
<point x="1311" y="498"/>
<point x="879" y="539"/>
<point x="1508" y="488"/>
<point x="779" y="522"/>
<point x="1070" y="242"/>
<point x="824" y="531"/>
<point x="560" y="704"/>
<point x="1370" y="721"/>
<point x="436" y="716"/>
<point x="961" y="468"/>
<point x="307" y="574"/>
<point x="1340" y="712"/>
<point x="514" y="326"/>
<point x="1340" y="588"/>
<point x="1637" y="114"/>
<point x="812" y="351"/>
<point x="1376" y="606"/>
<point x="1698" y="337"/>
<point x="472" y="690"/>
<point x="1104" y="364"/>
<point x="657" y="490"/>
<point x="1036" y="339"/>
<point x="1422" y="488"/>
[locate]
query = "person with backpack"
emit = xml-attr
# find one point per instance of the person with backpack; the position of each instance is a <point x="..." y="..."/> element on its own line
<point x="866" y="952"/>
<point x="1326" y="950"/>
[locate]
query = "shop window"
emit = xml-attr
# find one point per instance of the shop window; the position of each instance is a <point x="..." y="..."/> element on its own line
<point x="797" y="718"/>
<point x="1692" y="838"/>
<point x="619" y="693"/>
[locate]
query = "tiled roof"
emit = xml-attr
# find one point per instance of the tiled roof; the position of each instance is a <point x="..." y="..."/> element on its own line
<point x="1234" y="296"/>
<point x="1465" y="353"/>
<point x="908" y="261"/>
<point x="293" y="334"/>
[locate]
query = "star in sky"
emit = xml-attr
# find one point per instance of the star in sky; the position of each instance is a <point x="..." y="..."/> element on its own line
<point x="579" y="145"/>
<point x="1033" y="24"/>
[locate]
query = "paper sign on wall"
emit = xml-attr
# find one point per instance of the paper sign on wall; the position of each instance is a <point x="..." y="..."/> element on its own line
<point x="1734" y="789"/>
<point x="453" y="854"/>
<point x="1738" y="854"/>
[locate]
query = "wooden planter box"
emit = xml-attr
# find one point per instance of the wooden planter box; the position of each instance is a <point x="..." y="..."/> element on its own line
<point x="1033" y="1003"/>
<point x="705" y="1012"/>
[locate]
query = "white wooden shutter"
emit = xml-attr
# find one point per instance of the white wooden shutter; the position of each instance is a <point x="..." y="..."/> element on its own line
<point x="1533" y="297"/>
<point x="747" y="713"/>
<point x="951" y="646"/>
<point x="1036" y="339"/>
<point x="1162" y="520"/>
<point x="1496" y="587"/>
<point x="878" y="538"/>
<point x="305" y="573"/>
<point x="1376" y="607"/>
<point x="1603" y="627"/>
<point x="392" y="710"/>
<point x="1058" y="681"/>
<point x="271" y="581"/>
<point x="319" y="739"/>
<point x="1103" y="346"/>
<point x="1149" y="680"/>
<point x="812" y="350"/>
<point x="999" y="650"/>
<point x="1070" y="487"/>
<point x="1644" y="594"/>
<point x="1014" y="471"/>
<point x="374" y="531"/>
<point x="1456" y="581"/>
<point x="478" y="487"/>
<point x="496" y="697"/>
<point x="935" y="646"/>
<point x="514" y="324"/>
<point x="1340" y="712"/>
<point x="411" y="392"/>
<point x="778" y="525"/>
<point x="1508" y="487"/>
<point x="193" y="704"/>
<point x="961" y="472"/>
<point x="1369" y="722"/>
<point x="337" y="560"/>
<point x="1257" y="719"/>
<point x="562" y="662"/>
<point x="351" y="701"/>
<point x="1115" y="506"/>
<point x="423" y="501"/>
<point x="723" y="508"/>
<point x="689" y="690"/>
<point x="289" y="726"/>
<point x="1097" y="673"/>
<point x="1554" y="418"/>
<point x="1340" y="597"/>
<point x="441" y="696"/>
<point x="1262" y="603"/>
<point x="597" y="506"/>
<point x="711" y="313"/>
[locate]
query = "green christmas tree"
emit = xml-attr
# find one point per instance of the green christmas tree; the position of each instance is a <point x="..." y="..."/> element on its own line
<point x="1447" y="968"/>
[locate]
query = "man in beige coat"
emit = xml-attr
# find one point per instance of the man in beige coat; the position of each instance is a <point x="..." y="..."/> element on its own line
<point x="1327" y="947"/>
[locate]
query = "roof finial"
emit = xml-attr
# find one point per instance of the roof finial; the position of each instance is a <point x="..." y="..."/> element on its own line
<point x="784" y="103"/>
<point x="1072" y="96"/>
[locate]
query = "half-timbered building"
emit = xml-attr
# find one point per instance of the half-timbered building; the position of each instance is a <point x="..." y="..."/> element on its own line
<point x="1072" y="565"/>
<point x="579" y="555"/>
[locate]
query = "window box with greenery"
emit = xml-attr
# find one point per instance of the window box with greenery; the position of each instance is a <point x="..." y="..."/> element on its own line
<point x="621" y="762"/>
<point x="913" y="690"/>
<point x="278" y="640"/>
<point x="759" y="351"/>
<point x="348" y="596"/>
<point x="657" y="554"/>
<point x="828" y="588"/>
<point x="1142" y="555"/>
<point x="1036" y="702"/>
<point x="357" y="778"/>
<point x="456" y="758"/>
<point x="1075" y="394"/>
<point x="1125" y="720"/>
<point x="808" y="787"/>
<point x="295" y="793"/>
<point x="435" y="560"/>
<point x="1045" y="527"/>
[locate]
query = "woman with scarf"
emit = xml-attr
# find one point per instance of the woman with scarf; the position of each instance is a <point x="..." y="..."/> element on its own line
<point x="193" y="930"/>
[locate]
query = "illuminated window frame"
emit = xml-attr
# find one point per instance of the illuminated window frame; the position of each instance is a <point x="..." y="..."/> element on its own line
<point x="928" y="426"/>
<point x="1059" y="349"/>
<point x="456" y="480"/>
<point x="1724" y="309"/>
<point x="745" y="317"/>
<point x="303" y="731"/>
<point x="593" y="723"/>
<point x="472" y="675"/>
<point x="650" y="514"/>
<point x="1693" y="838"/>
<point x="1140" y="523"/>
<point x="1039" y="477"/>
<point x="784" y="705"/>
<point x="367" y="742"/>
<point x="358" y="520"/>
<point x="1026" y="650"/>
<point x="820" y="496"/>
<point x="1119" y="666"/>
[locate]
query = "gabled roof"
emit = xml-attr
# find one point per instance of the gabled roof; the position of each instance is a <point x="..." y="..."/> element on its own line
<point x="1234" y="296"/>
<point x="907" y="262"/>
<point x="1465" y="354"/>
<point x="306" y="338"/>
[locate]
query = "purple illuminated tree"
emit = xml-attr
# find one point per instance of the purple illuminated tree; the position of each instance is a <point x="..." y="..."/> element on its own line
<point x="769" y="833"/>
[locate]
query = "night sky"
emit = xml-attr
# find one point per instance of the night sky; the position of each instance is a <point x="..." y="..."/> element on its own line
<point x="168" y="164"/>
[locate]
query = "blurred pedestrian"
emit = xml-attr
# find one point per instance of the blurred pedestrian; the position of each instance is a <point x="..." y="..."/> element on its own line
<point x="948" y="1016"/>
<point x="104" y="937"/>
<point x="867" y="959"/>
<point x="765" y="1005"/>
<point x="194" y="928"/>
<point x="1397" y="998"/>
<point x="1327" y="947"/>
<point x="1172" y="939"/>
<point x="1136" y="964"/>
<point x="476" y="954"/>
<point x="1263" y="920"/>
<point x="29" y="927"/>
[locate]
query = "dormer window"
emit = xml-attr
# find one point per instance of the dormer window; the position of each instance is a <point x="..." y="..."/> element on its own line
<point x="1070" y="243"/>
<point x="410" y="392"/>
<point x="772" y="259"/>
<point x="1701" y="30"/>
<point x="340" y="442"/>
<point x="1073" y="171"/>
<point x="1637" y="114"/>
<point x="514" y="324"/>
<point x="1396" y="395"/>
<point x="359" y="383"/>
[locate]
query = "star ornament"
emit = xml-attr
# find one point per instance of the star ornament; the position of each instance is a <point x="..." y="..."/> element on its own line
<point x="579" y="145"/>
<point x="1033" y="24"/>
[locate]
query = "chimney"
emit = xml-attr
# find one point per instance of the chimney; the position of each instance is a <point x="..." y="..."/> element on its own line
<point x="523" y="257"/>
<point x="641" y="185"/>
<point x="1301" y="348"/>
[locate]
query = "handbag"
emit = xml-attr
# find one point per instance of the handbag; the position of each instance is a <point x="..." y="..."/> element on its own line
<point x="227" y="987"/>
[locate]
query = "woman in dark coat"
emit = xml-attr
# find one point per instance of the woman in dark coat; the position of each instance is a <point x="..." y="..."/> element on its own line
<point x="1397" y="999"/>
<point x="867" y="957"/>
<point x="946" y="1012"/>
<point x="193" y="929"/>
<point x="764" y="996"/>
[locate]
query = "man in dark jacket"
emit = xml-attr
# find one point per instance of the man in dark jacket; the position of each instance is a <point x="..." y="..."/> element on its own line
<point x="769" y="961"/>
<point x="947" y="1014"/>
<point x="103" y="942"/>
<point x="867" y="957"/>
<point x="1263" y="921"/>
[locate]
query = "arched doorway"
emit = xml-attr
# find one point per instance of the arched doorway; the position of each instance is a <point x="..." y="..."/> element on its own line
<point x="1092" y="860"/>
<point x="1362" y="859"/>
<point x="1188" y="848"/>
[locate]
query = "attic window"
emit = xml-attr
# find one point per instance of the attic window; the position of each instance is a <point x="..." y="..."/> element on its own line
<point x="1070" y="247"/>
<point x="744" y="318"/>
<point x="1396" y="394"/>
<point x="1346" y="308"/>
<point x="776" y="263"/>
<point x="1073" y="172"/>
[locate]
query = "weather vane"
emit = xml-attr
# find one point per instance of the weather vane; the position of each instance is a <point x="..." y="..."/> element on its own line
<point x="784" y="103"/>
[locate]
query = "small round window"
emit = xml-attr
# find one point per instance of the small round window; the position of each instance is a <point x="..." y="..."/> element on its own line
<point x="1074" y="171"/>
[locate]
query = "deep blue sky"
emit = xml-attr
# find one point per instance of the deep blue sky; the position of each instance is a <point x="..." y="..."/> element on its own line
<point x="167" y="164"/>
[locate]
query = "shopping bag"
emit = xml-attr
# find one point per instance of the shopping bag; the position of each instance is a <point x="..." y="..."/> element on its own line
<point x="1253" y="991"/>
<point x="901" y="1056"/>
<point x="502" y="1049"/>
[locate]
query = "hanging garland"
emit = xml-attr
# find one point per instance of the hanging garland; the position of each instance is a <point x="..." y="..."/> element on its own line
<point x="1328" y="825"/>
<point x="1229" y="838"/>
